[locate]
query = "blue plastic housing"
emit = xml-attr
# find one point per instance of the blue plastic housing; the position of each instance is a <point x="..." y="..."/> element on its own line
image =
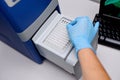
<point x="17" y="19"/>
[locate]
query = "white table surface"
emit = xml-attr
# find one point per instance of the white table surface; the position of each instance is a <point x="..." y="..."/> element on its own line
<point x="14" y="66"/>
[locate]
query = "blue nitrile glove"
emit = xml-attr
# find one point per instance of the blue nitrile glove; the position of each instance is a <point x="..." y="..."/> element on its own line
<point x="82" y="32"/>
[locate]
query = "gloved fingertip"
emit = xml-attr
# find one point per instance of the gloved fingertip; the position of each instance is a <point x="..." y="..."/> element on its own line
<point x="68" y="26"/>
<point x="73" y="22"/>
<point x="96" y="26"/>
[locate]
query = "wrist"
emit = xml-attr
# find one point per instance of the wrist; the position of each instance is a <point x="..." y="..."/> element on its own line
<point x="83" y="46"/>
<point x="85" y="50"/>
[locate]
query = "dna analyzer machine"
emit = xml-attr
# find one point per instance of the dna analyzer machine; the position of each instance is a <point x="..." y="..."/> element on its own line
<point x="37" y="29"/>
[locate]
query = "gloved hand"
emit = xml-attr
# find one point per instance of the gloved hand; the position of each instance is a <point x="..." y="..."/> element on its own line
<point x="82" y="32"/>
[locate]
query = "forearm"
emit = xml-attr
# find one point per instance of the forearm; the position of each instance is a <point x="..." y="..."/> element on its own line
<point x="91" y="66"/>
